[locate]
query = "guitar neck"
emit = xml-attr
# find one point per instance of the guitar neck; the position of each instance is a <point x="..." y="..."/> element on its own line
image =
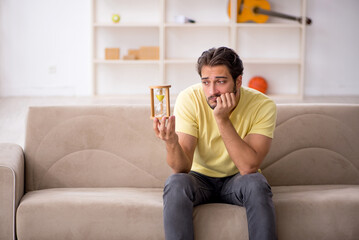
<point x="281" y="15"/>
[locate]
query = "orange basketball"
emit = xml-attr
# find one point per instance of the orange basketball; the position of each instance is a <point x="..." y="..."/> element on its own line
<point x="258" y="83"/>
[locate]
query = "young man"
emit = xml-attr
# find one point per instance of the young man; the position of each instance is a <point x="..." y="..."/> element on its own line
<point x="216" y="141"/>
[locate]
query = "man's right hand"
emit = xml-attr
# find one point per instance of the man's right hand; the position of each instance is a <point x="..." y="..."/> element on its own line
<point x="165" y="129"/>
<point x="180" y="146"/>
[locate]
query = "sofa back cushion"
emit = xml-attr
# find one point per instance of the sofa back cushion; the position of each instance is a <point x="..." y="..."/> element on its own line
<point x="93" y="146"/>
<point x="314" y="144"/>
<point x="114" y="146"/>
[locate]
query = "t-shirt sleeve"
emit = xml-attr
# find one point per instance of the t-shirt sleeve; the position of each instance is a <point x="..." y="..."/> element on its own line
<point x="265" y="119"/>
<point x="185" y="113"/>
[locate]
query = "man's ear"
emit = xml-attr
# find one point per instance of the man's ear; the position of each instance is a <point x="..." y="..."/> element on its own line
<point x="239" y="82"/>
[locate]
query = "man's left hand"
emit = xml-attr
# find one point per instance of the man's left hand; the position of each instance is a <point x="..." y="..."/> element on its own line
<point x="225" y="105"/>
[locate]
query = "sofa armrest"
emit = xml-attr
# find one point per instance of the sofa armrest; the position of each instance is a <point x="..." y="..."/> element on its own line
<point x="11" y="187"/>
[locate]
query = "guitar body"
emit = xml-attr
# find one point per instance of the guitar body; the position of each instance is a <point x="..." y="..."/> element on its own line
<point x="245" y="10"/>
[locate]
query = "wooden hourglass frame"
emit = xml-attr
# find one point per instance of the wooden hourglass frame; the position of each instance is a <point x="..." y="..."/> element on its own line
<point x="161" y="93"/>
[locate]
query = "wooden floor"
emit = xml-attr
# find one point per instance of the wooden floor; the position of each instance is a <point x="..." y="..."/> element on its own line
<point x="13" y="110"/>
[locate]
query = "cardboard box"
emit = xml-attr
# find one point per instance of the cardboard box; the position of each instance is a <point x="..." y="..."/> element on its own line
<point x="112" y="53"/>
<point x="134" y="52"/>
<point x="149" y="53"/>
<point x="129" y="57"/>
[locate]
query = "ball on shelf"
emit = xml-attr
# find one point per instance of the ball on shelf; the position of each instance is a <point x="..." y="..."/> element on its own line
<point x="258" y="83"/>
<point x="115" y="18"/>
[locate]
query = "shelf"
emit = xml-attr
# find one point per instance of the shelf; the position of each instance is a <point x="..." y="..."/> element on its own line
<point x="270" y="61"/>
<point x="180" y="61"/>
<point x="195" y="25"/>
<point x="268" y="25"/>
<point x="238" y="25"/>
<point x="194" y="61"/>
<point x="120" y="61"/>
<point x="245" y="61"/>
<point x="124" y="25"/>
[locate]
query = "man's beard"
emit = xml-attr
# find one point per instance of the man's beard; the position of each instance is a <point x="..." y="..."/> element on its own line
<point x="210" y="98"/>
<point x="216" y="96"/>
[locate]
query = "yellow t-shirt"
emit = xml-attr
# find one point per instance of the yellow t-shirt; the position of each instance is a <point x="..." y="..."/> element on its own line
<point x="255" y="113"/>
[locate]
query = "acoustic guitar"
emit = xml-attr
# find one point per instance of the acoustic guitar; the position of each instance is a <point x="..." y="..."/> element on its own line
<point x="259" y="11"/>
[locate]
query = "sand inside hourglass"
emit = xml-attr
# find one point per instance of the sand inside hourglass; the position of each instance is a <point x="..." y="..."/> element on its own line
<point x="160" y="97"/>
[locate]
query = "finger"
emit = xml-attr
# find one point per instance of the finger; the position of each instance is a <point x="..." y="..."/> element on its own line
<point x="225" y="101"/>
<point x="230" y="100"/>
<point x="219" y="101"/>
<point x="163" y="127"/>
<point x="155" y="126"/>
<point x="163" y="122"/>
<point x="171" y="125"/>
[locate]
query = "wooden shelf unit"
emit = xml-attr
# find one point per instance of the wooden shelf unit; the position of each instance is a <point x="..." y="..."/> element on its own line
<point x="274" y="50"/>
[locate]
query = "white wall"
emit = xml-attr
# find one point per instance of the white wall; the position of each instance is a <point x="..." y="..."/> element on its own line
<point x="332" y="52"/>
<point x="45" y="48"/>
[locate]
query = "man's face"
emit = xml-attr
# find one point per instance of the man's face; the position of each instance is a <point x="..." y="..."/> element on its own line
<point x="217" y="80"/>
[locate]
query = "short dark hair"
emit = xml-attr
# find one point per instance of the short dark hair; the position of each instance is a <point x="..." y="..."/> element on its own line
<point x="221" y="56"/>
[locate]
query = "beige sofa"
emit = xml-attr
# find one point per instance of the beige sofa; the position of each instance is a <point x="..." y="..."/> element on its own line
<point x="97" y="172"/>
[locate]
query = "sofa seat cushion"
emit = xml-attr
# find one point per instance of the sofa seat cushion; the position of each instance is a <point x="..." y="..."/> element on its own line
<point x="302" y="212"/>
<point x="317" y="211"/>
<point x="329" y="212"/>
<point x="96" y="213"/>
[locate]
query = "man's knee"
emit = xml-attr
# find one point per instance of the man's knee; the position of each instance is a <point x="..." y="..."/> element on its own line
<point x="254" y="184"/>
<point x="178" y="180"/>
<point x="179" y="185"/>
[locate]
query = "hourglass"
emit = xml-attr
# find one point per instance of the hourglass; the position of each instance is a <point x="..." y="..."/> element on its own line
<point x="160" y="101"/>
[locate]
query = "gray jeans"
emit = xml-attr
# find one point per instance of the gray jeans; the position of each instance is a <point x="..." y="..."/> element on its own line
<point x="184" y="191"/>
